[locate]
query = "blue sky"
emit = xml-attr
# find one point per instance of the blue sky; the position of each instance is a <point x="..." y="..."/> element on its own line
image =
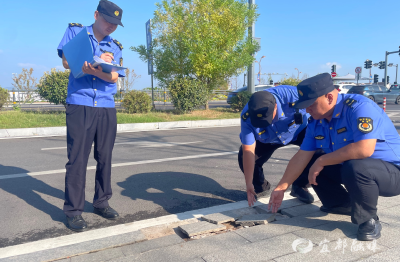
<point x="308" y="35"/>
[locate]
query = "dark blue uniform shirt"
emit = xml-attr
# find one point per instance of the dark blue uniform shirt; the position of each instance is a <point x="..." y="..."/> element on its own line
<point x="90" y="90"/>
<point x="355" y="118"/>
<point x="283" y="129"/>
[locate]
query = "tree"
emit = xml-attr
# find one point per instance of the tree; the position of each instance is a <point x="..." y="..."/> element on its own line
<point x="291" y="81"/>
<point x="4" y="96"/>
<point x="53" y="86"/>
<point x="305" y="76"/>
<point x="201" y="39"/>
<point x="26" y="83"/>
<point x="127" y="82"/>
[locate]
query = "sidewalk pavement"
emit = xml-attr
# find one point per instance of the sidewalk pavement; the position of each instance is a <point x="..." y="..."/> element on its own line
<point x="300" y="232"/>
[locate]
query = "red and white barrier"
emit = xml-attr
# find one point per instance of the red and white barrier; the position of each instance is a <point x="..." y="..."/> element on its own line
<point x="384" y="104"/>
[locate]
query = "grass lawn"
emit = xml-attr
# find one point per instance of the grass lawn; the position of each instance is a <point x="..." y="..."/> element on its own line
<point x="27" y="119"/>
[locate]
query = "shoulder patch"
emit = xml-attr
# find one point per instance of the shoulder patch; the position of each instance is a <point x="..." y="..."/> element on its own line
<point x="319" y="137"/>
<point x="118" y="44"/>
<point x="349" y="102"/>
<point x="245" y="115"/>
<point x="75" y="24"/>
<point x="365" y="124"/>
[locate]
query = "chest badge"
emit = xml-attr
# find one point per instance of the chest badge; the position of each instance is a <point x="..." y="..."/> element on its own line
<point x="319" y="137"/>
<point x="262" y="132"/>
<point x="365" y="124"/>
<point x="341" y="130"/>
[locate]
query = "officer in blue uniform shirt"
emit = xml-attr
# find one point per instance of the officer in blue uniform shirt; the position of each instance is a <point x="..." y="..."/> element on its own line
<point x="91" y="117"/>
<point x="361" y="151"/>
<point x="268" y="123"/>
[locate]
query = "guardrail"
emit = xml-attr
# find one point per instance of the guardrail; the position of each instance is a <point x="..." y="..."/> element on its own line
<point x="20" y="97"/>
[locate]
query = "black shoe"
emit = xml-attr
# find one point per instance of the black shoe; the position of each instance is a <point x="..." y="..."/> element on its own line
<point x="264" y="189"/>
<point x="369" y="231"/>
<point x="76" y="223"/>
<point x="302" y="194"/>
<point x="107" y="212"/>
<point x="340" y="210"/>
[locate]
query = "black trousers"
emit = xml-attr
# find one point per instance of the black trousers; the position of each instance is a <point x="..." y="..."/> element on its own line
<point x="364" y="181"/>
<point x="264" y="153"/>
<point x="86" y="125"/>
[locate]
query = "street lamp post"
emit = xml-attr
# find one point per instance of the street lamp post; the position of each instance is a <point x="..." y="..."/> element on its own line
<point x="259" y="70"/>
<point x="298" y="73"/>
<point x="250" y="74"/>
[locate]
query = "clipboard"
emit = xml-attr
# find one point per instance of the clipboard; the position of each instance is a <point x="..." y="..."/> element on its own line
<point x="79" y="50"/>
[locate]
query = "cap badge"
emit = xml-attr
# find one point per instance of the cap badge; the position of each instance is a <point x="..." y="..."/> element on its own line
<point x="259" y="115"/>
<point x="116" y="13"/>
<point x="300" y="93"/>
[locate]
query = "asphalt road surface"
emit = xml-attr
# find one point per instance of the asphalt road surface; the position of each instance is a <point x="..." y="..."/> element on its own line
<point x="154" y="174"/>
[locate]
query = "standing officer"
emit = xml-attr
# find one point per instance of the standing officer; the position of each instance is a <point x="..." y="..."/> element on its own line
<point x="91" y="117"/>
<point x="268" y="123"/>
<point x="362" y="152"/>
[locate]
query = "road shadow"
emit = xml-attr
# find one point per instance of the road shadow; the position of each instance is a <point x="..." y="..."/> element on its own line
<point x="177" y="192"/>
<point x="28" y="188"/>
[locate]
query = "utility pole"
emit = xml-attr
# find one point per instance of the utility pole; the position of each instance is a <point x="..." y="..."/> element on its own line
<point x="250" y="74"/>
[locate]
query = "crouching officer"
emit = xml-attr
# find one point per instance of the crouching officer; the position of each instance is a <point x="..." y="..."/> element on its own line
<point x="362" y="152"/>
<point x="91" y="117"/>
<point x="268" y="123"/>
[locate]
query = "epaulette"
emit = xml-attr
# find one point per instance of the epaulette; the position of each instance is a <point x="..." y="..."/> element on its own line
<point x="75" y="24"/>
<point x="291" y="105"/>
<point x="118" y="44"/>
<point x="310" y="119"/>
<point x="245" y="116"/>
<point x="349" y="102"/>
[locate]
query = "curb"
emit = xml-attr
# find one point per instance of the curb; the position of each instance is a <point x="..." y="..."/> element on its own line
<point x="67" y="244"/>
<point x="121" y="128"/>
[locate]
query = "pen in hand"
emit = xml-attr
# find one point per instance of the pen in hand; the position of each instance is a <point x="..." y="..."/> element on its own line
<point x="106" y="52"/>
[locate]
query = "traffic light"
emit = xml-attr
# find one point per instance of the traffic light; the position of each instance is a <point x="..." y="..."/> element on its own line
<point x="376" y="78"/>
<point x="387" y="81"/>
<point x="367" y="64"/>
<point x="333" y="68"/>
<point x="271" y="82"/>
<point x="383" y="80"/>
<point x="382" y="65"/>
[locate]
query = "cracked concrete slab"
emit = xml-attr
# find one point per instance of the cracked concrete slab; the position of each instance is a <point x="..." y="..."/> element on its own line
<point x="258" y="219"/>
<point x="201" y="227"/>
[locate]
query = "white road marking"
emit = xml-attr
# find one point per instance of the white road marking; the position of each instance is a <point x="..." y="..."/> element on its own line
<point x="72" y="239"/>
<point x="58" y="171"/>
<point x="138" y="144"/>
<point x="392" y="114"/>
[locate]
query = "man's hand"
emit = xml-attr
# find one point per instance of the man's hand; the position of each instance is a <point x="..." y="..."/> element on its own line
<point x="107" y="57"/>
<point x="87" y="68"/>
<point x="275" y="200"/>
<point x="251" y="195"/>
<point x="315" y="169"/>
